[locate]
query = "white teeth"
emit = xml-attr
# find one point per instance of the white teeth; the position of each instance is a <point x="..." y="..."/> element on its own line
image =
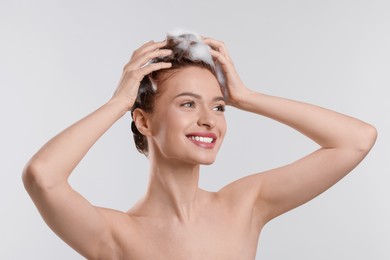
<point x="202" y="139"/>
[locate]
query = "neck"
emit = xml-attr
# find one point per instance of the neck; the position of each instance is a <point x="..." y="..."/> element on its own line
<point x="173" y="190"/>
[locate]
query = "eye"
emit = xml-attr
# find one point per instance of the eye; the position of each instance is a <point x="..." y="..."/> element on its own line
<point x="188" y="104"/>
<point x="220" y="108"/>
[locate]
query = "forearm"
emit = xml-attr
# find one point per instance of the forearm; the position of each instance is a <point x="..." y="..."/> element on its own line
<point x="327" y="128"/>
<point x="55" y="161"/>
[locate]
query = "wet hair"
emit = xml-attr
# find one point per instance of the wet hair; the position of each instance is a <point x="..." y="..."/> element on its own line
<point x="188" y="50"/>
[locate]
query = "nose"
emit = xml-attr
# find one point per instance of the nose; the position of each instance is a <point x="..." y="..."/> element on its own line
<point x="206" y="118"/>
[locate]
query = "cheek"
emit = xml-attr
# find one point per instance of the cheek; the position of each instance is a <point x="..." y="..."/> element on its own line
<point x="171" y="124"/>
<point x="223" y="126"/>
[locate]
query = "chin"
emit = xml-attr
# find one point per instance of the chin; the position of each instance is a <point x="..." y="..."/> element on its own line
<point x="194" y="156"/>
<point x="207" y="163"/>
<point x="196" y="159"/>
<point x="205" y="160"/>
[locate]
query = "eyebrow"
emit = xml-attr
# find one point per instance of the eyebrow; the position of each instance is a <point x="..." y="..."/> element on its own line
<point x="197" y="96"/>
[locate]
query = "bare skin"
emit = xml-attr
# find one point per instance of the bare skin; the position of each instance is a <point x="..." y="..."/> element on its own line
<point x="176" y="219"/>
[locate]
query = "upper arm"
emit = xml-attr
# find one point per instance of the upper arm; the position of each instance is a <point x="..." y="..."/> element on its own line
<point x="292" y="185"/>
<point x="279" y="190"/>
<point x="71" y="217"/>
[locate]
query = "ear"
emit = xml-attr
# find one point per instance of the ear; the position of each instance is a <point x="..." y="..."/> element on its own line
<point x="141" y="121"/>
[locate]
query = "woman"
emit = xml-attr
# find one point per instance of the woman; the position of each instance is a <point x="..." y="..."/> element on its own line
<point x="179" y="124"/>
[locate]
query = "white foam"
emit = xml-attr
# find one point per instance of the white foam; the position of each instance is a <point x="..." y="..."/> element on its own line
<point x="198" y="51"/>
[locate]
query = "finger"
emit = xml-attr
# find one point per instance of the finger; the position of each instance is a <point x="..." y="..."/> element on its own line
<point x="222" y="59"/>
<point x="146" y="44"/>
<point x="219" y="46"/>
<point x="154" y="67"/>
<point x="147" y="57"/>
<point x="142" y="47"/>
<point x="149" y="46"/>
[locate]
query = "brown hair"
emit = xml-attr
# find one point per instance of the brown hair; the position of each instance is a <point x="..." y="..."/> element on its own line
<point x="147" y="93"/>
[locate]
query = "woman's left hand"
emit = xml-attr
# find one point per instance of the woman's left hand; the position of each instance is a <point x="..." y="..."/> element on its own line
<point x="236" y="88"/>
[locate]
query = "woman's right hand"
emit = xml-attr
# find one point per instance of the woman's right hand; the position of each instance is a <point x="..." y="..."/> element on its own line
<point x="138" y="67"/>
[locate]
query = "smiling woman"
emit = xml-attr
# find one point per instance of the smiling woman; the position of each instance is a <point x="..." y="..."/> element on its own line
<point x="177" y="91"/>
<point x="192" y="106"/>
<point x="188" y="51"/>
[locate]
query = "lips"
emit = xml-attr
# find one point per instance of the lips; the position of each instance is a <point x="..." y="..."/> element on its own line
<point x="204" y="140"/>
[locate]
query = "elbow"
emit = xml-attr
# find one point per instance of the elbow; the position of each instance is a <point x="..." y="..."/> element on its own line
<point x="35" y="176"/>
<point x="30" y="175"/>
<point x="367" y="138"/>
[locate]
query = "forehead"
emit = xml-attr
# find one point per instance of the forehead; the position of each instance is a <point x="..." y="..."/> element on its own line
<point x="191" y="79"/>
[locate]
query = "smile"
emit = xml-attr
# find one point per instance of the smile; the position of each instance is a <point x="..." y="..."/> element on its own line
<point x="204" y="140"/>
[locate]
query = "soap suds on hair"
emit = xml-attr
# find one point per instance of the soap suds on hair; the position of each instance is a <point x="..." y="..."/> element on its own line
<point x="189" y="45"/>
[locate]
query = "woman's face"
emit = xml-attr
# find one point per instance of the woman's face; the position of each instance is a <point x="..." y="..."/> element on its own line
<point x="188" y="122"/>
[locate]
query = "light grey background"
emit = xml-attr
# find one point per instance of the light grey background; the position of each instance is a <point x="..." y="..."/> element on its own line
<point x="60" y="60"/>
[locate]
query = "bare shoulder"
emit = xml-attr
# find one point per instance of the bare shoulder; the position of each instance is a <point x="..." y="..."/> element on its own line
<point x="113" y="214"/>
<point x="242" y="186"/>
<point x="118" y="220"/>
<point x="219" y="228"/>
<point x="243" y="195"/>
<point x="123" y="228"/>
<point x="244" y="190"/>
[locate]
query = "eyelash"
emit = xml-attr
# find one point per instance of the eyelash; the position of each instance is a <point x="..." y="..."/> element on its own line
<point x="221" y="108"/>
<point x="191" y="104"/>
